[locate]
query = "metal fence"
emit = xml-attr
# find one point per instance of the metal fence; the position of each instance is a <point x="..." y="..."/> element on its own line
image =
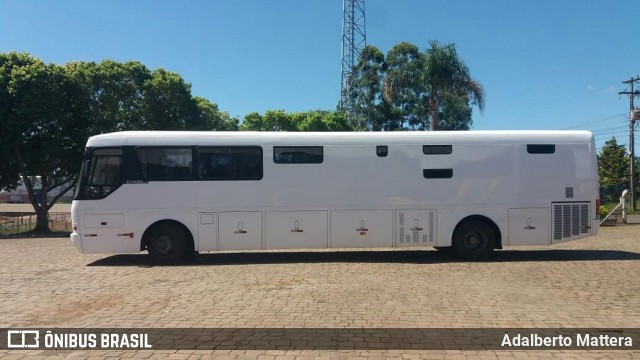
<point x="11" y="223"/>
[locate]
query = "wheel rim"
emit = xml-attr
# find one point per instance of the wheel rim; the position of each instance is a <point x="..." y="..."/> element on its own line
<point x="474" y="240"/>
<point x="164" y="244"/>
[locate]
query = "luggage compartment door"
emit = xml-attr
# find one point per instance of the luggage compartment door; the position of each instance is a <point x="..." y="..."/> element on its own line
<point x="361" y="228"/>
<point x="240" y="230"/>
<point x="529" y="226"/>
<point x="296" y="229"/>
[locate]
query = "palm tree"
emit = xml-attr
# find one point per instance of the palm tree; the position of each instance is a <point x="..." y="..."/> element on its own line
<point x="442" y="72"/>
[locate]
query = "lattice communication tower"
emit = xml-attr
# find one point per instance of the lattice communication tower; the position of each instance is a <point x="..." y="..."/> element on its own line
<point x="354" y="38"/>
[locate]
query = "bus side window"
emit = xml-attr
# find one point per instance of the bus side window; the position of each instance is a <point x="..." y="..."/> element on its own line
<point x="171" y="163"/>
<point x="437" y="149"/>
<point x="230" y="163"/>
<point x="298" y="154"/>
<point x="541" y="148"/>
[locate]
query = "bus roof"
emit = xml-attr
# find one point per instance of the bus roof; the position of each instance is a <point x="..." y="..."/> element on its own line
<point x="192" y="138"/>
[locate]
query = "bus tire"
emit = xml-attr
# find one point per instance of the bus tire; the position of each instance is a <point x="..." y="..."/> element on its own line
<point x="167" y="244"/>
<point x="474" y="240"/>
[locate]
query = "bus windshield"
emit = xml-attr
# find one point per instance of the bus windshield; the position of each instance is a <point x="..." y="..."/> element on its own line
<point x="101" y="174"/>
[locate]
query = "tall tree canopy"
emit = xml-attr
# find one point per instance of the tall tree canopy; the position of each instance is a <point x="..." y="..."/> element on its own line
<point x="128" y="96"/>
<point x="410" y="89"/>
<point x="368" y="86"/>
<point x="404" y="61"/>
<point x="445" y="73"/>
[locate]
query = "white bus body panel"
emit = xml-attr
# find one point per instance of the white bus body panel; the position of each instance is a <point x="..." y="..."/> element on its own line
<point x="493" y="176"/>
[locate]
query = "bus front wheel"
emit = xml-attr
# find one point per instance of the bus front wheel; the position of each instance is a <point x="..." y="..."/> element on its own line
<point x="167" y="244"/>
<point x="474" y="240"/>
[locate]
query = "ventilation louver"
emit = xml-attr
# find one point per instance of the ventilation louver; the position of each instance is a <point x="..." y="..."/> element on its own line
<point x="568" y="192"/>
<point x="570" y="221"/>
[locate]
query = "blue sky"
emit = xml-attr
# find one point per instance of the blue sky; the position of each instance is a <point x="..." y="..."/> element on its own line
<point x="545" y="64"/>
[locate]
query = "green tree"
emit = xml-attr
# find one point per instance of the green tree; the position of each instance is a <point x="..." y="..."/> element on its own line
<point x="279" y="120"/>
<point x="168" y="104"/>
<point x="9" y="174"/>
<point x="405" y="61"/>
<point x="272" y="120"/>
<point x="613" y="168"/>
<point x="442" y="72"/>
<point x="44" y="123"/>
<point x="367" y="88"/>
<point x="128" y="96"/>
<point x="113" y="93"/>
<point x="320" y="120"/>
<point x="455" y="112"/>
<point x="213" y="118"/>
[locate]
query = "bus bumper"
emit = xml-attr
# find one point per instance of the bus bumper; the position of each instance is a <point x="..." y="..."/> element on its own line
<point x="76" y="239"/>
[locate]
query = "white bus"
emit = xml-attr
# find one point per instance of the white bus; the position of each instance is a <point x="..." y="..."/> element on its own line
<point x="178" y="193"/>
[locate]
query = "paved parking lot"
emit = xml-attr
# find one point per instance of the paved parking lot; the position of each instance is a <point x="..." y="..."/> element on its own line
<point x="589" y="283"/>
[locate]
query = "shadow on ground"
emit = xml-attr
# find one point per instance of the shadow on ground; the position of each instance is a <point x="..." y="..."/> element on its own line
<point x="411" y="256"/>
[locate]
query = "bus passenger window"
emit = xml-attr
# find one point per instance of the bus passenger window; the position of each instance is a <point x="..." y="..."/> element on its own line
<point x="437" y="173"/>
<point x="298" y="154"/>
<point x="541" y="148"/>
<point x="437" y="149"/>
<point x="230" y="163"/>
<point x="165" y="163"/>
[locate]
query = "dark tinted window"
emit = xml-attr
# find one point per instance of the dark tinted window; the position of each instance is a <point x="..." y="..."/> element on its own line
<point x="437" y="149"/>
<point x="382" y="151"/>
<point x="230" y="163"/>
<point x="158" y="163"/>
<point x="297" y="154"/>
<point x="541" y="148"/>
<point x="437" y="173"/>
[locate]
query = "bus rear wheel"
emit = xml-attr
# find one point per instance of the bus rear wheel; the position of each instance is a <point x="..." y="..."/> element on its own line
<point x="474" y="240"/>
<point x="167" y="244"/>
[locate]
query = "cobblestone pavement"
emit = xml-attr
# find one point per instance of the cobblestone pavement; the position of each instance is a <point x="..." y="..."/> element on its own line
<point x="592" y="282"/>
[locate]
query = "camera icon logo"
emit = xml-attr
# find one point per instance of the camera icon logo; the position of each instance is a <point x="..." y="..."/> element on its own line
<point x="23" y="339"/>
